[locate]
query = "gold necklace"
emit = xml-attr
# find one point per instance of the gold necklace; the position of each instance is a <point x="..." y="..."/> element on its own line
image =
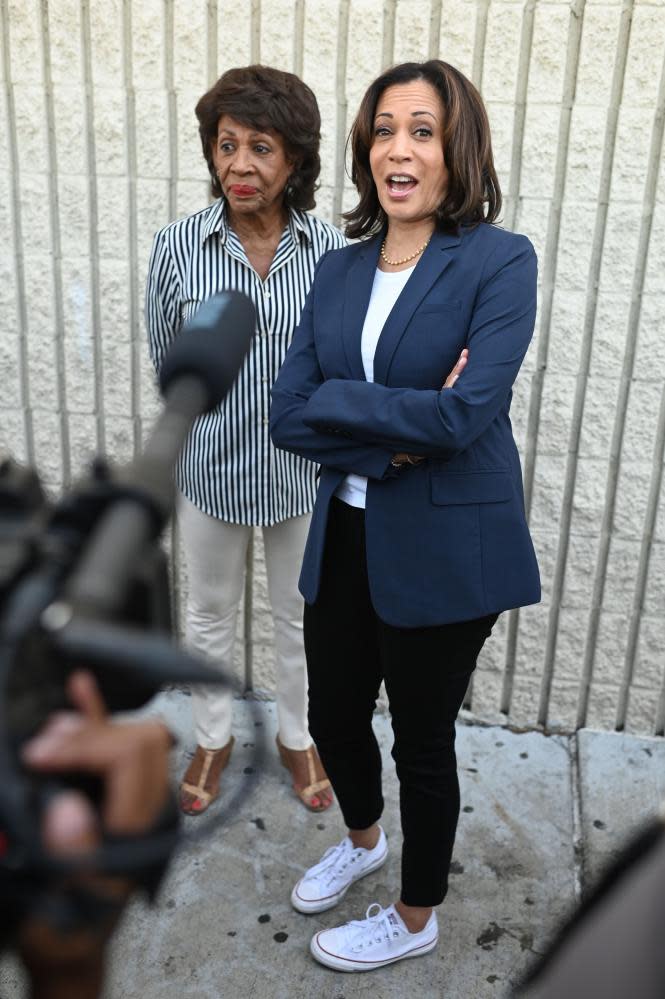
<point x="405" y="260"/>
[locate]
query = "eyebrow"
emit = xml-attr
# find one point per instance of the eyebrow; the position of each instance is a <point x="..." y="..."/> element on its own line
<point x="253" y="135"/>
<point x="414" y="114"/>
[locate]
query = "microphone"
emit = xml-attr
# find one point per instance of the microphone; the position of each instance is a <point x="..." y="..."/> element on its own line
<point x="212" y="346"/>
<point x="197" y="373"/>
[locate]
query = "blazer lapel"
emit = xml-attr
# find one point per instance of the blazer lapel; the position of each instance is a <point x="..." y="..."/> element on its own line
<point x="435" y="259"/>
<point x="357" y="291"/>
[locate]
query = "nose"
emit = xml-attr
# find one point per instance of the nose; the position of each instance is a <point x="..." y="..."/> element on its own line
<point x="242" y="161"/>
<point x="400" y="147"/>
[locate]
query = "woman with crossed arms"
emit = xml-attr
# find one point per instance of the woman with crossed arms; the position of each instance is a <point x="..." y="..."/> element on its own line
<point x="418" y="537"/>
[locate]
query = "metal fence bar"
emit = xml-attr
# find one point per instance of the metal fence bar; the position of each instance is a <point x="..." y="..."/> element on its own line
<point x="298" y="35"/>
<point x="56" y="245"/>
<point x="547" y="289"/>
<point x="479" y="40"/>
<point x="17" y="239"/>
<point x="247" y="615"/>
<point x="549" y="278"/>
<point x="255" y="32"/>
<point x="342" y="107"/>
<point x="132" y="233"/>
<point x="648" y="206"/>
<point x="388" y="47"/>
<point x="581" y="385"/>
<point x="637" y="606"/>
<point x="434" y="43"/>
<point x="521" y="90"/>
<point x="212" y="41"/>
<point x="93" y="235"/>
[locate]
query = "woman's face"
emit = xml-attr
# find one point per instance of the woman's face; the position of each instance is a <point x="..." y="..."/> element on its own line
<point x="406" y="157"/>
<point x="252" y="166"/>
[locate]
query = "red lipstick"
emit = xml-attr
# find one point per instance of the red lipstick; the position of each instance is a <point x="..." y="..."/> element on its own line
<point x="242" y="190"/>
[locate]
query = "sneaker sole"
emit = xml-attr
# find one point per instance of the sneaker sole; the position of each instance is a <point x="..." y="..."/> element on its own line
<point x="307" y="908"/>
<point x="347" y="964"/>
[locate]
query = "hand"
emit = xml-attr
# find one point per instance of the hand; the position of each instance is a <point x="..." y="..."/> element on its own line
<point x="132" y="760"/>
<point x="457" y="370"/>
<point x="130" y="757"/>
<point x="401" y="458"/>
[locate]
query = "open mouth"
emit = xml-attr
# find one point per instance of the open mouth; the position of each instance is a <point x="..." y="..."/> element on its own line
<point x="400" y="184"/>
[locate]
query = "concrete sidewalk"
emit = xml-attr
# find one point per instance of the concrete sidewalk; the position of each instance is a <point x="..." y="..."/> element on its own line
<point x="540" y="815"/>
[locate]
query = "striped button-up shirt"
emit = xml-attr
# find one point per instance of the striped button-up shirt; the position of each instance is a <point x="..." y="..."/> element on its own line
<point x="229" y="467"/>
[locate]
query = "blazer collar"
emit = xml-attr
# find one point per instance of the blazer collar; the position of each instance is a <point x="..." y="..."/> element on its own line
<point x="359" y="280"/>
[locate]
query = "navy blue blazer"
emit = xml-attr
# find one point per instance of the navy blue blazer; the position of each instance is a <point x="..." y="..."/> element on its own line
<point x="447" y="539"/>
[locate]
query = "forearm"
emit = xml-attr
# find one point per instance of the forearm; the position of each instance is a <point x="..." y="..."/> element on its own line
<point x="330" y="449"/>
<point x="395" y="420"/>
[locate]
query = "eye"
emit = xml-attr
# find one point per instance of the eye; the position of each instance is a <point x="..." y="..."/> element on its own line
<point x="381" y="130"/>
<point x="261" y="148"/>
<point x="226" y="146"/>
<point x="423" y="132"/>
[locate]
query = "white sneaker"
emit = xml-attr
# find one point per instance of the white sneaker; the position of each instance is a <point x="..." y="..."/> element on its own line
<point x="322" y="886"/>
<point x="377" y="940"/>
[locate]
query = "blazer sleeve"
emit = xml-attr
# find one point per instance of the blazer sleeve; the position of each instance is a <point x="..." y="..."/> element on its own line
<point x="300" y="376"/>
<point x="439" y="424"/>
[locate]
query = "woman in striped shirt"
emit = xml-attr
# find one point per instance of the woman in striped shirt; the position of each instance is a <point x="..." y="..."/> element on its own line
<point x="259" y="130"/>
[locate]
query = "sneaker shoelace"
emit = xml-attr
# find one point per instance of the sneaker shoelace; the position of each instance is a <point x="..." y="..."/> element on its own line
<point x="378" y="925"/>
<point x="335" y="860"/>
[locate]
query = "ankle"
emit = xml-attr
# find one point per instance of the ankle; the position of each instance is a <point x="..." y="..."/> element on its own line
<point x="414" y="917"/>
<point x="365" y="839"/>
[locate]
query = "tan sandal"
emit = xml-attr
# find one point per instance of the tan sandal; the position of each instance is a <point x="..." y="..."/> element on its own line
<point x="200" y="785"/>
<point x="316" y="775"/>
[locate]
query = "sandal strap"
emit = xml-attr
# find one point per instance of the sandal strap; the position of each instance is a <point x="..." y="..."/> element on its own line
<point x="311" y="769"/>
<point x="207" y="758"/>
<point x="199" y="792"/>
<point x="319" y="785"/>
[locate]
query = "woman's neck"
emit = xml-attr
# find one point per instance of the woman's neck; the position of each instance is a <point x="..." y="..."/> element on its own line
<point x="260" y="233"/>
<point x="404" y="243"/>
<point x="259" y="227"/>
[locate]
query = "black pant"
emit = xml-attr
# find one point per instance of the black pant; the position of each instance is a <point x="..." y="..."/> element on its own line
<point x="426" y="672"/>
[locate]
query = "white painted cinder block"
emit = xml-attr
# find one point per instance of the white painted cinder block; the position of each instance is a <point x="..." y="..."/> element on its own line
<point x="99" y="148"/>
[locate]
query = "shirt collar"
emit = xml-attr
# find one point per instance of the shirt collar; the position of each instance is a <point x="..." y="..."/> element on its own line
<point x="217" y="222"/>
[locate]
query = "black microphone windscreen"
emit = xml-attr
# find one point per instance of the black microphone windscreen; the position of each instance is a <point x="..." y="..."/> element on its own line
<point x="212" y="345"/>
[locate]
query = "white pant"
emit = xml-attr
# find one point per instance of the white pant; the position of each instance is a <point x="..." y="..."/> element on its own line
<point x="216" y="552"/>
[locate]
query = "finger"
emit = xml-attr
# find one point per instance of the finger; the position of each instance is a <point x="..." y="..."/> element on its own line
<point x="84" y="694"/>
<point x="58" y="730"/>
<point x="70" y="825"/>
<point x="71" y="742"/>
<point x="460" y="364"/>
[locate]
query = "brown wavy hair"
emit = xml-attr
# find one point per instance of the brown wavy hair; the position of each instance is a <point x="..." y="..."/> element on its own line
<point x="268" y="100"/>
<point x="473" y="194"/>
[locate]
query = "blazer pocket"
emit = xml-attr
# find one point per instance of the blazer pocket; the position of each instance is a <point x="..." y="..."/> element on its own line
<point x="471" y="487"/>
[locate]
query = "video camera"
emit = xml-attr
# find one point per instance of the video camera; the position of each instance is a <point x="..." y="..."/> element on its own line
<point x="84" y="584"/>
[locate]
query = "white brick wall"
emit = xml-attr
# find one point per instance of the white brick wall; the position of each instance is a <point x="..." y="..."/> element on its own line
<point x="99" y="148"/>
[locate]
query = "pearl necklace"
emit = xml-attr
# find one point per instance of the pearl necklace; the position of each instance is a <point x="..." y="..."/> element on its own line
<point x="405" y="260"/>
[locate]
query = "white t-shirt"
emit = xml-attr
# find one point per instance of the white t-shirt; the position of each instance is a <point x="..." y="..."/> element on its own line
<point x="385" y="292"/>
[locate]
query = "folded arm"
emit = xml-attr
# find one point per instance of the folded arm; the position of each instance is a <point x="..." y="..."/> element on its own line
<point x="299" y="377"/>
<point x="442" y="423"/>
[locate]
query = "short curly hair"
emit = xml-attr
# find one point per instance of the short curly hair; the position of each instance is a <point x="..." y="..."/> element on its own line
<point x="473" y="193"/>
<point x="272" y="101"/>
